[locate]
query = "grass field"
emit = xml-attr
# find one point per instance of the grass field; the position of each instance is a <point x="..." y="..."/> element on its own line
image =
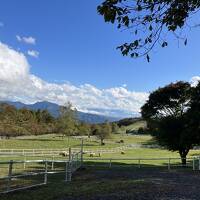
<point x="86" y="183"/>
<point x="57" y="142"/>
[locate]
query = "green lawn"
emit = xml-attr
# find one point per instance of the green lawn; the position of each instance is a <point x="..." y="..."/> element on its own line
<point x="55" y="142"/>
<point x="135" y="126"/>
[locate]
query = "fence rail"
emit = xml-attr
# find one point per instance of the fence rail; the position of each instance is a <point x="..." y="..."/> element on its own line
<point x="33" y="152"/>
<point x="193" y="162"/>
<point x="19" y="175"/>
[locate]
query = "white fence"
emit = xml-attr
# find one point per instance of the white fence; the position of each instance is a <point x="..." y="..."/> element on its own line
<point x="34" y="152"/>
<point x="55" y="152"/>
<point x="169" y="163"/>
<point x="19" y="175"/>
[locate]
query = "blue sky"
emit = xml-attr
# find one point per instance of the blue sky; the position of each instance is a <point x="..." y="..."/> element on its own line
<point x="75" y="45"/>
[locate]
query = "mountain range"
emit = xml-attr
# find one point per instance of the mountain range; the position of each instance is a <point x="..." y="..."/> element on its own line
<point x="54" y="111"/>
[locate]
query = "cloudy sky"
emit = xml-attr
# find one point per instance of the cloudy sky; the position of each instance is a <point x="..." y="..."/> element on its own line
<point x="66" y="52"/>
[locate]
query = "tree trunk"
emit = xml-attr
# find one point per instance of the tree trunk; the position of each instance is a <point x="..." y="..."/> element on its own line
<point x="183" y="160"/>
<point x="183" y="155"/>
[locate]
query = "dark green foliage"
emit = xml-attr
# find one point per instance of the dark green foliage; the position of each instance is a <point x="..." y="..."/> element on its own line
<point x="141" y="131"/>
<point x="83" y="129"/>
<point x="114" y="127"/>
<point x="148" y="21"/>
<point x="102" y="131"/>
<point x="170" y="115"/>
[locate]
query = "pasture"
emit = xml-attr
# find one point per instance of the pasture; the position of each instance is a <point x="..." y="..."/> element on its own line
<point x="102" y="175"/>
<point x="135" y="147"/>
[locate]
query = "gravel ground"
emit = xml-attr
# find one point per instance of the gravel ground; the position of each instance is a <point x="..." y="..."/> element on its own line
<point x="141" y="184"/>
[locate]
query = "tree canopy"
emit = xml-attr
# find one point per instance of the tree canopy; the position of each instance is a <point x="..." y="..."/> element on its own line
<point x="149" y="21"/>
<point x="102" y="131"/>
<point x="172" y="115"/>
<point x="16" y="122"/>
<point x="67" y="122"/>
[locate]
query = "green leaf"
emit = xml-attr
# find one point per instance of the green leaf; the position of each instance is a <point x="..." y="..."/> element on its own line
<point x="185" y="43"/>
<point x="150" y="28"/>
<point x="148" y="58"/>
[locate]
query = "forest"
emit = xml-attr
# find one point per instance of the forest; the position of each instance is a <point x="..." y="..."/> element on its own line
<point x="19" y="122"/>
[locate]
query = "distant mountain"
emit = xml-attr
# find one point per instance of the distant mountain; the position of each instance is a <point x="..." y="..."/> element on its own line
<point x="54" y="111"/>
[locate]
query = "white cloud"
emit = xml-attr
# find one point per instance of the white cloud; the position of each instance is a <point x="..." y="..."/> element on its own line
<point x="33" y="53"/>
<point x="13" y="65"/>
<point x="18" y="84"/>
<point x="195" y="80"/>
<point x="27" y="40"/>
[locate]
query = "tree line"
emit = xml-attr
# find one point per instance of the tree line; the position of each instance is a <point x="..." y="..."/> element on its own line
<point x="18" y="122"/>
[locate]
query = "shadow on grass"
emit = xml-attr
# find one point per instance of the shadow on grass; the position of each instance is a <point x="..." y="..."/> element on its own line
<point x="150" y="142"/>
<point x="144" y="164"/>
<point x="41" y="139"/>
<point x="98" y="181"/>
<point x="86" y="145"/>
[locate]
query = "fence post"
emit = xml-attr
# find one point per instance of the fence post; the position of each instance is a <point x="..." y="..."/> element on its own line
<point x="169" y="164"/>
<point x="68" y="175"/>
<point x="69" y="165"/>
<point x="199" y="162"/>
<point x="82" y="152"/>
<point x="66" y="171"/>
<point x="52" y="164"/>
<point x="46" y="171"/>
<point x="70" y="153"/>
<point x="24" y="162"/>
<point x="139" y="165"/>
<point x="110" y="165"/>
<point x="77" y="166"/>
<point x="10" y="175"/>
<point x="193" y="164"/>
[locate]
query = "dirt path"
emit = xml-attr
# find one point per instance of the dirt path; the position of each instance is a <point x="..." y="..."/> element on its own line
<point x="133" y="184"/>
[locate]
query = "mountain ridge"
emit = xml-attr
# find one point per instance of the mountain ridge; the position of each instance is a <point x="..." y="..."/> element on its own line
<point x="53" y="109"/>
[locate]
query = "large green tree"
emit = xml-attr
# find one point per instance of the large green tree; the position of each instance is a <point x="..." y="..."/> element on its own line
<point x="149" y="21"/>
<point x="170" y="112"/>
<point x="103" y="131"/>
<point x="67" y="122"/>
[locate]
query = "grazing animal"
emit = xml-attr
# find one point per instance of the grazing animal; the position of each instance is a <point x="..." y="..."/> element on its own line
<point x="122" y="152"/>
<point x="64" y="153"/>
<point x="92" y="154"/>
<point x="119" y="142"/>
